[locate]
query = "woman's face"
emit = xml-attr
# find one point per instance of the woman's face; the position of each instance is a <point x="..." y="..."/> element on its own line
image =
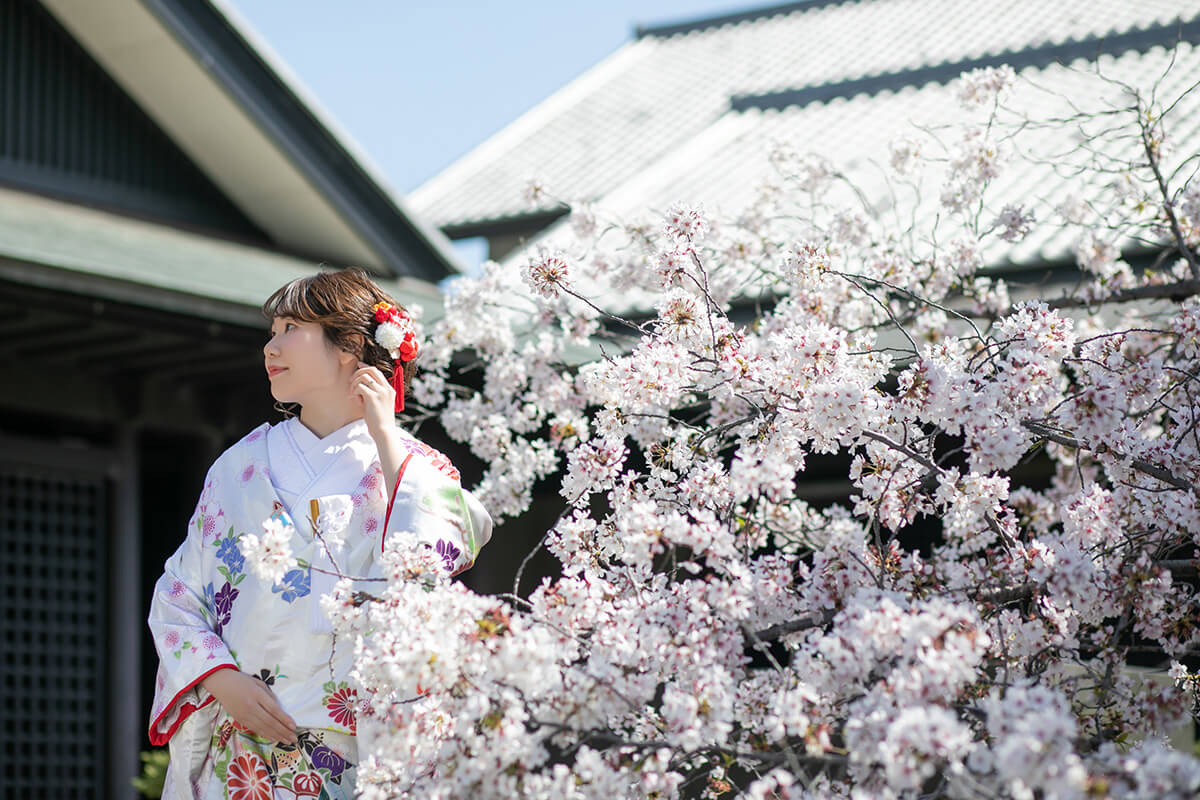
<point x="301" y="363"/>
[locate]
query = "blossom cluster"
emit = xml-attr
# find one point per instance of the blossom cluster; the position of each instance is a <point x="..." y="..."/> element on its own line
<point x="844" y="513"/>
<point x="269" y="556"/>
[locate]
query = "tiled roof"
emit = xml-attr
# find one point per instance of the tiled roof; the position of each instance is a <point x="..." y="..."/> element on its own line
<point x="92" y="253"/>
<point x="674" y="88"/>
<point x="724" y="168"/>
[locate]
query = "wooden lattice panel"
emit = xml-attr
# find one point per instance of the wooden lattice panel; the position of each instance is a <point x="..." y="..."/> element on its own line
<point x="52" y="535"/>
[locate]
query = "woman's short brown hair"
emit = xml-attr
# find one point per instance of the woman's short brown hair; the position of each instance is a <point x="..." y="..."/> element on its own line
<point x="342" y="303"/>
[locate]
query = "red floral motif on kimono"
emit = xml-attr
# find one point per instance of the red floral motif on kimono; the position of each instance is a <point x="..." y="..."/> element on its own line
<point x="248" y="779"/>
<point x="439" y="460"/>
<point x="307" y="784"/>
<point x="443" y="464"/>
<point x="341" y="708"/>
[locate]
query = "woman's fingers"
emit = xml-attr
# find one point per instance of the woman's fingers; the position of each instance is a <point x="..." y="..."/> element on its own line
<point x="366" y="390"/>
<point x="268" y="727"/>
<point x="373" y="378"/>
<point x="276" y="723"/>
<point x="373" y="372"/>
<point x="370" y="382"/>
<point x="273" y="722"/>
<point x="281" y="716"/>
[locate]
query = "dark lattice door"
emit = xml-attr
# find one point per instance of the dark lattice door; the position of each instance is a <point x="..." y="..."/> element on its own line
<point x="52" y="534"/>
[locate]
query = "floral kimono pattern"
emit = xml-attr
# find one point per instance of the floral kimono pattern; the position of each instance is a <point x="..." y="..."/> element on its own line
<point x="249" y="767"/>
<point x="209" y="611"/>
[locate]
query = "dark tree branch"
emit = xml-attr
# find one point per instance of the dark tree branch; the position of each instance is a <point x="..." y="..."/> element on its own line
<point x="1180" y="568"/>
<point x="817" y="619"/>
<point x="1002" y="597"/>
<point x="607" y="738"/>
<point x="1145" y="467"/>
<point x="1178" y="291"/>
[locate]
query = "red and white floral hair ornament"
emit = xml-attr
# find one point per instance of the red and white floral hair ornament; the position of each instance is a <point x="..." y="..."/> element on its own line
<point x="396" y="334"/>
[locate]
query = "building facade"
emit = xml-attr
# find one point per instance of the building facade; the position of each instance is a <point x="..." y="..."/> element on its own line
<point x="160" y="175"/>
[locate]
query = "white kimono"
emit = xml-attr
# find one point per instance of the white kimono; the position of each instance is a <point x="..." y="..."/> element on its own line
<point x="209" y="611"/>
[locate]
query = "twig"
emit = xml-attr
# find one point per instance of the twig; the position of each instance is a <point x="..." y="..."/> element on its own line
<point x="1180" y="290"/>
<point x="1153" y="470"/>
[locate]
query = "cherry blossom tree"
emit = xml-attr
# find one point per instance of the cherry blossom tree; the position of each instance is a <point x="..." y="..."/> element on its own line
<point x="1022" y="461"/>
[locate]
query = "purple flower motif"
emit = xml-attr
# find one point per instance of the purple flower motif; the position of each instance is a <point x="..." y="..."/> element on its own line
<point x="324" y="758"/>
<point x="223" y="603"/>
<point x="449" y="553"/>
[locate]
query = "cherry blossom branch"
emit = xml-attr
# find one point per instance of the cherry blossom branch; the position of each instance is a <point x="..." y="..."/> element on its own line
<point x="1177" y="291"/>
<point x="300" y="562"/>
<point x="608" y="738"/>
<point x="817" y="619"/>
<point x="1151" y="148"/>
<point x="1153" y="470"/>
<point x="915" y="298"/>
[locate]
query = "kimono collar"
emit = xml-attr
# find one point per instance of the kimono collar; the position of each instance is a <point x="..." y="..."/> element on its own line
<point x="352" y="438"/>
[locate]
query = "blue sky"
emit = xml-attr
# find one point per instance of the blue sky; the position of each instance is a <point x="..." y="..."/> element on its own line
<point x="418" y="84"/>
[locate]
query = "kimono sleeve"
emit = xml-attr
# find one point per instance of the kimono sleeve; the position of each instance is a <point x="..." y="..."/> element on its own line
<point x="430" y="504"/>
<point x="185" y="626"/>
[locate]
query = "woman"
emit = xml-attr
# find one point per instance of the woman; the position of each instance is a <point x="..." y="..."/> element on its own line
<point x="253" y="691"/>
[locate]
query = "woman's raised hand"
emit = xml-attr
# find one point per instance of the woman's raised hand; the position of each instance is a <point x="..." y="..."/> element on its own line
<point x="379" y="412"/>
<point x="378" y="397"/>
<point x="252" y="705"/>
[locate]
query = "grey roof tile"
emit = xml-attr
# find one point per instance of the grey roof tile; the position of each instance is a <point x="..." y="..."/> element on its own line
<point x="723" y="167"/>
<point x="655" y="94"/>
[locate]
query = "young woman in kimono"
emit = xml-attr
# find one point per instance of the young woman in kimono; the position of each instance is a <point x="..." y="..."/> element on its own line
<point x="253" y="692"/>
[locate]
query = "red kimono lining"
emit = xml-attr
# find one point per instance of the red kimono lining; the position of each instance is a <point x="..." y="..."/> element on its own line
<point x="392" y="500"/>
<point x="186" y="710"/>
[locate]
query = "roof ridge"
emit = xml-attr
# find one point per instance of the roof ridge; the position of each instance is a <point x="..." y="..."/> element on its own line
<point x="701" y="23"/>
<point x="255" y="78"/>
<point x="1137" y="39"/>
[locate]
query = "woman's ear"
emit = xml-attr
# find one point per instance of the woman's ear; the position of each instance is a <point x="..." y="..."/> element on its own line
<point x="353" y="352"/>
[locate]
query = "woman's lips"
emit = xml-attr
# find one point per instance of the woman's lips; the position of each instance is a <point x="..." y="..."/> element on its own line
<point x="273" y="371"/>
